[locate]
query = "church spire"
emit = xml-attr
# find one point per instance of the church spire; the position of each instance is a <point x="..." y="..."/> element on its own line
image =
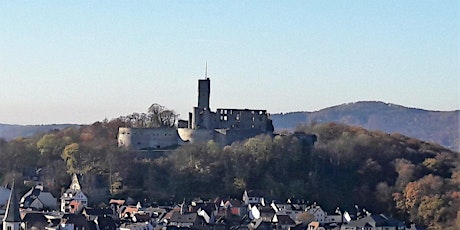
<point x="75" y="185"/>
<point x="12" y="215"/>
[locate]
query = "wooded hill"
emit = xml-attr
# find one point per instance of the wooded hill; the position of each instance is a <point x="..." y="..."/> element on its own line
<point x="440" y="127"/>
<point x="385" y="173"/>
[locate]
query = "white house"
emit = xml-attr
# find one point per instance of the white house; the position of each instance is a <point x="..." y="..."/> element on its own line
<point x="318" y="213"/>
<point x="73" y="197"/>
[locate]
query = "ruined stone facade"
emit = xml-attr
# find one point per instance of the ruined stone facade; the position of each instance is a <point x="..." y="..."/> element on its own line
<point x="224" y="126"/>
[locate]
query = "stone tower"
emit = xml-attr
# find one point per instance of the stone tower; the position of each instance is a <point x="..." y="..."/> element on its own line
<point x="204" y="91"/>
<point x="12" y="219"/>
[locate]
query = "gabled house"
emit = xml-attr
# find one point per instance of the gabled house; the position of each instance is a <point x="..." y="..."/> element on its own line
<point x="37" y="199"/>
<point x="374" y="222"/>
<point x="115" y="205"/>
<point x="233" y="207"/>
<point x="73" y="197"/>
<point x="318" y="213"/>
<point x="76" y="221"/>
<point x="105" y="222"/>
<point x="127" y="212"/>
<point x="35" y="220"/>
<point x="283" y="222"/>
<point x="253" y="197"/>
<point x="93" y="213"/>
<point x="292" y="210"/>
<point x="185" y="220"/>
<point x="267" y="214"/>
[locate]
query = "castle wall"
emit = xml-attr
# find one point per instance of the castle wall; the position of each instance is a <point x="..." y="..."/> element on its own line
<point x="147" y="138"/>
<point x="196" y="135"/>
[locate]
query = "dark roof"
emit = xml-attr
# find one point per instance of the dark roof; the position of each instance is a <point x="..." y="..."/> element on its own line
<point x="97" y="211"/>
<point x="177" y="217"/>
<point x="254" y="193"/>
<point x="12" y="209"/>
<point x="285" y="220"/>
<point x="142" y="217"/>
<point x="208" y="207"/>
<point x="106" y="222"/>
<point x="35" y="219"/>
<point x="235" y="203"/>
<point x="266" y="212"/>
<point x="376" y="221"/>
<point x="78" y="220"/>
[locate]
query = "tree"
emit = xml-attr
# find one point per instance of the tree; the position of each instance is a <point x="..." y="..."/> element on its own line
<point x="69" y="156"/>
<point x="51" y="145"/>
<point x="159" y="116"/>
<point x="156" y="116"/>
<point x="430" y="209"/>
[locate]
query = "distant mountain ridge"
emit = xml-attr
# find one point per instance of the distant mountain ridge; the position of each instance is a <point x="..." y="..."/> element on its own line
<point x="441" y="127"/>
<point x="9" y="132"/>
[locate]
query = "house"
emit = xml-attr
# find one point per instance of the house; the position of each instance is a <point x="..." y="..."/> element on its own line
<point x="374" y="222"/>
<point x="292" y="210"/>
<point x="72" y="221"/>
<point x="253" y="197"/>
<point x="318" y="213"/>
<point x="185" y="220"/>
<point x="103" y="218"/>
<point x="37" y="199"/>
<point x="35" y="220"/>
<point x="127" y="212"/>
<point x="283" y="222"/>
<point x="266" y="214"/>
<point x="106" y="223"/>
<point x="73" y="198"/>
<point x="233" y="207"/>
<point x="315" y="225"/>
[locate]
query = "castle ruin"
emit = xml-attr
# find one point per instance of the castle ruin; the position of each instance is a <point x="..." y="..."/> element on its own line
<point x="223" y="126"/>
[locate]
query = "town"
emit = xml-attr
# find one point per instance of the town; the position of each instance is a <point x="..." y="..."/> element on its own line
<point x="38" y="209"/>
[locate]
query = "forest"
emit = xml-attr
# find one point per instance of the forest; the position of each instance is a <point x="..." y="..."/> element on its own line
<point x="410" y="179"/>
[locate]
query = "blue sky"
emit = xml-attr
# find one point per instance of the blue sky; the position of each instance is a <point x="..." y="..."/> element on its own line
<point x="83" y="61"/>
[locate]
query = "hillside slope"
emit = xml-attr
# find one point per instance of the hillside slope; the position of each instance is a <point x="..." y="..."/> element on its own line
<point x="9" y="132"/>
<point x="432" y="126"/>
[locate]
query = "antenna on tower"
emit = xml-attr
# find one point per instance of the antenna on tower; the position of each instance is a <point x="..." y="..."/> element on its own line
<point x="206" y="71"/>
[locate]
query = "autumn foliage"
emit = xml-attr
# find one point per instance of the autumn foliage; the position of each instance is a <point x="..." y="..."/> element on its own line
<point x="385" y="173"/>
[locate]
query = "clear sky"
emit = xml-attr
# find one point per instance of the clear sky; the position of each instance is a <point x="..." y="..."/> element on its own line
<point x="83" y="61"/>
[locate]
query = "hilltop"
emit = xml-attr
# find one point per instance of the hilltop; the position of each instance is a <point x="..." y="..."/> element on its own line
<point x="441" y="127"/>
